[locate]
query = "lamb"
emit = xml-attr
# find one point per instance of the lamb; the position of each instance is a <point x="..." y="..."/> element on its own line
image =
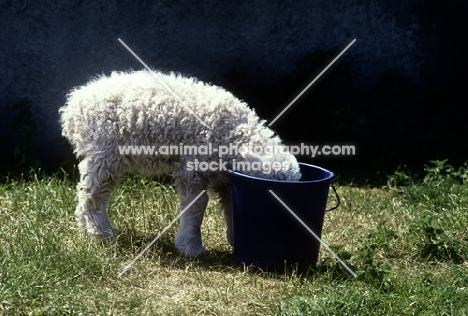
<point x="134" y="109"/>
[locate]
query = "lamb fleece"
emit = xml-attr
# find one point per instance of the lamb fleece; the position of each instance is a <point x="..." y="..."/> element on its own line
<point x="133" y="108"/>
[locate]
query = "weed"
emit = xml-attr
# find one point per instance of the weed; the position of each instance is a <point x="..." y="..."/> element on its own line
<point x="433" y="243"/>
<point x="439" y="171"/>
<point x="373" y="269"/>
<point x="400" y="177"/>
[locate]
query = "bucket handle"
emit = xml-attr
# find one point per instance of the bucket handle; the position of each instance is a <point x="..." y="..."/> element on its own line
<point x="338" y="202"/>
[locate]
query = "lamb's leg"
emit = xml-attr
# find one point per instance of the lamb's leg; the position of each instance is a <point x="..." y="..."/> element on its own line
<point x="225" y="203"/>
<point x="188" y="239"/>
<point x="97" y="180"/>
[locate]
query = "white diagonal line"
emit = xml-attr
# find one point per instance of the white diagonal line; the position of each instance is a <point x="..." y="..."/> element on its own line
<point x="160" y="234"/>
<point x="313" y="234"/>
<point x="313" y="81"/>
<point x="162" y="82"/>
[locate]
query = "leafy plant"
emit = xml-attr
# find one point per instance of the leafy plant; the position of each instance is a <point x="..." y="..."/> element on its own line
<point x="332" y="267"/>
<point x="433" y="243"/>
<point x="374" y="270"/>
<point x="400" y="177"/>
<point x="439" y="170"/>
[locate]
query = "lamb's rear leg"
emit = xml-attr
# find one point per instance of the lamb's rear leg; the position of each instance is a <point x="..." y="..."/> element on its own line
<point x="188" y="239"/>
<point x="97" y="180"/>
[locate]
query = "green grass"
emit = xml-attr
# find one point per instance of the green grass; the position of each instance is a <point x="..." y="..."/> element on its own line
<point x="407" y="243"/>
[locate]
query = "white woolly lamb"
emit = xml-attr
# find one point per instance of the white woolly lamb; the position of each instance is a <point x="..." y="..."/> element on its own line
<point x="134" y="109"/>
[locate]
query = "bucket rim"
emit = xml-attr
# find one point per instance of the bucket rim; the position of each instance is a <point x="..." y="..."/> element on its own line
<point x="330" y="176"/>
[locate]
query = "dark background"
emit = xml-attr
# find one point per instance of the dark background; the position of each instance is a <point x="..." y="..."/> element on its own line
<point x="398" y="94"/>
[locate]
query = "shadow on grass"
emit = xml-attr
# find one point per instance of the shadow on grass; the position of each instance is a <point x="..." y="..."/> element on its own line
<point x="167" y="255"/>
<point x="220" y="259"/>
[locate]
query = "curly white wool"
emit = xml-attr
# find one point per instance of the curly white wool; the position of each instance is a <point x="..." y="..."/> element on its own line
<point x="133" y="108"/>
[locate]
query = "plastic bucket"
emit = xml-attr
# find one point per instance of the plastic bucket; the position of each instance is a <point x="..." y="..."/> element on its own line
<point x="266" y="234"/>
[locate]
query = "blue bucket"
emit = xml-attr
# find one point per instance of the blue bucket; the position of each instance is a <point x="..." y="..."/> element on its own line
<point x="266" y="234"/>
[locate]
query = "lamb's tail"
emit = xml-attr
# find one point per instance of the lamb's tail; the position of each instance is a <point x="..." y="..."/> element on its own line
<point x="71" y="119"/>
<point x="67" y="122"/>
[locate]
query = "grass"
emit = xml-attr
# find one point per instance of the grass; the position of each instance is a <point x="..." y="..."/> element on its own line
<point x="408" y="243"/>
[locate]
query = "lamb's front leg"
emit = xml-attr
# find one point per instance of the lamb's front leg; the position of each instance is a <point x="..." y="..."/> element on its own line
<point x="188" y="239"/>
<point x="224" y="193"/>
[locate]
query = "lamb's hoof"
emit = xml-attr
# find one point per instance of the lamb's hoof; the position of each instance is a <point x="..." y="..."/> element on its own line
<point x="189" y="244"/>
<point x="100" y="239"/>
<point x="106" y="237"/>
<point x="191" y="252"/>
